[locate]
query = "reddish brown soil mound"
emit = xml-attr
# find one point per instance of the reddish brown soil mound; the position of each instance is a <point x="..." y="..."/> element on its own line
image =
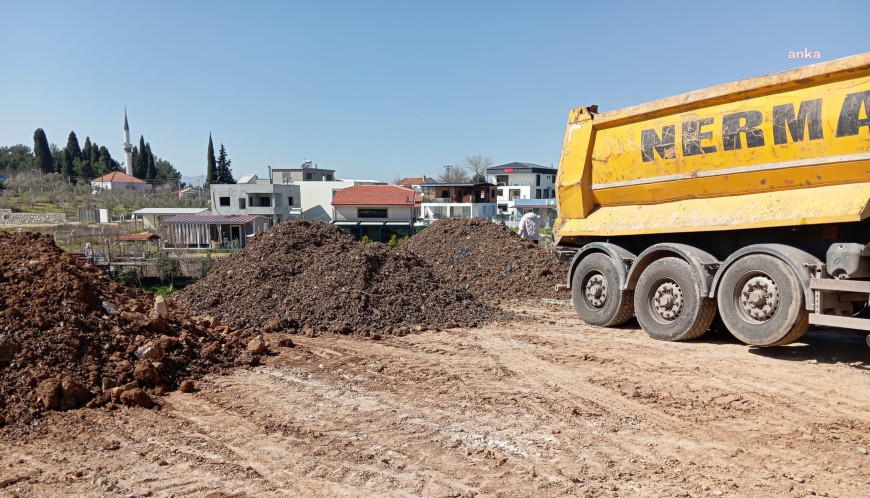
<point x="71" y="337"/>
<point x="304" y="276"/>
<point x="488" y="259"/>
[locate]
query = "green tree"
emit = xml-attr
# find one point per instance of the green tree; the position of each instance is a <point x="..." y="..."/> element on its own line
<point x="83" y="170"/>
<point x="140" y="164"/>
<point x="151" y="168"/>
<point x="86" y="150"/>
<point x="223" y="171"/>
<point x="67" y="164"/>
<point x="72" y="144"/>
<point x="42" y="152"/>
<point x="166" y="170"/>
<point x="168" y="269"/>
<point x="210" y="164"/>
<point x="16" y="158"/>
<point x="105" y="164"/>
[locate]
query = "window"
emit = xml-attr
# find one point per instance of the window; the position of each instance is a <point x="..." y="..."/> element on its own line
<point x="445" y="193"/>
<point x="329" y="178"/>
<point x="308" y="176"/>
<point x="265" y="202"/>
<point x="224" y="201"/>
<point x="241" y="203"/>
<point x="538" y="182"/>
<point x="501" y="179"/>
<point x="289" y="201"/>
<point x="371" y="212"/>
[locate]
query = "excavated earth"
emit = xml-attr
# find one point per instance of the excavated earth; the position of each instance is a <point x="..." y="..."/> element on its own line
<point x="70" y="337"/>
<point x="310" y="277"/>
<point x="488" y="259"/>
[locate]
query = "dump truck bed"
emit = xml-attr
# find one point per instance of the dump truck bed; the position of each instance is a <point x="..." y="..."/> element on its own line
<point x="791" y="148"/>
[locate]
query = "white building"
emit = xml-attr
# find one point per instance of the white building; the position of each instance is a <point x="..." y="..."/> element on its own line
<point x="459" y="200"/>
<point x="521" y="181"/>
<point x="118" y="180"/>
<point x="252" y="196"/>
<point x="376" y="211"/>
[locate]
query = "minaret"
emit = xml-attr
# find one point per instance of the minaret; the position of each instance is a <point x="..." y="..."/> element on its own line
<point x="128" y="149"/>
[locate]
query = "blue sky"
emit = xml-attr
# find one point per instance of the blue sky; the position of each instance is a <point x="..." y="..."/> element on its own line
<point x="381" y="88"/>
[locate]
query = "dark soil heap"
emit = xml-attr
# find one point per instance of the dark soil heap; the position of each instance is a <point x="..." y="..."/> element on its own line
<point x="70" y="337"/>
<point x="489" y="260"/>
<point x="311" y="277"/>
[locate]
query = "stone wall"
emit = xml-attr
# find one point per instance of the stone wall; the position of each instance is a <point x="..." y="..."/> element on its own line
<point x="7" y="217"/>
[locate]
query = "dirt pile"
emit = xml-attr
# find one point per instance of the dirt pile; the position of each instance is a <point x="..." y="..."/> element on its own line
<point x="311" y="277"/>
<point x="70" y="337"/>
<point x="489" y="260"/>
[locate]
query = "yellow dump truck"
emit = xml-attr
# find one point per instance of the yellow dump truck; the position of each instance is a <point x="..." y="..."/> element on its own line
<point x="750" y="198"/>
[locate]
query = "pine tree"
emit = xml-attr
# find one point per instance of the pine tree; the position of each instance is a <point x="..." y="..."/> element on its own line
<point x="210" y="164"/>
<point x="42" y="151"/>
<point x="223" y="171"/>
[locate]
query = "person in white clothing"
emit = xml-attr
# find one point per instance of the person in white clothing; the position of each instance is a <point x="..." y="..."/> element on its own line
<point x="530" y="226"/>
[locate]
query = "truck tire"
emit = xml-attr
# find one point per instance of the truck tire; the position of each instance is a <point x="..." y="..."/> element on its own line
<point x="668" y="301"/>
<point x="761" y="301"/>
<point x="595" y="292"/>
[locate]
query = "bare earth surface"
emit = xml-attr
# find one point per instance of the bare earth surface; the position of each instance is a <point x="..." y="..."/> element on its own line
<point x="545" y="407"/>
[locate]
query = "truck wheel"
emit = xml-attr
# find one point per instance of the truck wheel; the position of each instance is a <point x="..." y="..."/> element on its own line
<point x="668" y="301"/>
<point x="762" y="302"/>
<point x="596" y="294"/>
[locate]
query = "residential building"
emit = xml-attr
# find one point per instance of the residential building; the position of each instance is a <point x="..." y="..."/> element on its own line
<point x="189" y="193"/>
<point x="375" y="211"/>
<point x="118" y="180"/>
<point x="252" y="196"/>
<point x="186" y="231"/>
<point x="459" y="200"/>
<point x="151" y="217"/>
<point x="521" y="181"/>
<point x="415" y="183"/>
<point x="317" y="197"/>
<point x="308" y="172"/>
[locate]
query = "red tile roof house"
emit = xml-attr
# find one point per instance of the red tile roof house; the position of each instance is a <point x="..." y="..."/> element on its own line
<point x="118" y="180"/>
<point x="376" y="211"/>
<point x="412" y="182"/>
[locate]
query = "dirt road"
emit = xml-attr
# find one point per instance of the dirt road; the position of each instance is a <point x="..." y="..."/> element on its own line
<point x="544" y="407"/>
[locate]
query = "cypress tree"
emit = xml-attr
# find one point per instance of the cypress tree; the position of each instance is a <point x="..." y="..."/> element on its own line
<point x="67" y="167"/>
<point x="86" y="150"/>
<point x="140" y="165"/>
<point x="42" y="152"/>
<point x="210" y="164"/>
<point x="151" y="168"/>
<point x="72" y="145"/>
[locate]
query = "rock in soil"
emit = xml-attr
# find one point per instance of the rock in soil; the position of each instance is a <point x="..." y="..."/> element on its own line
<point x="69" y="335"/>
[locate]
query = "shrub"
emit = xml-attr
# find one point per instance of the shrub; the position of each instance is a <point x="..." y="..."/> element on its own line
<point x="168" y="269"/>
<point x="204" y="265"/>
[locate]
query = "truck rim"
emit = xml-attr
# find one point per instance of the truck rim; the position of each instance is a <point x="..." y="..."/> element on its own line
<point x="666" y="300"/>
<point x="756" y="297"/>
<point x="595" y="289"/>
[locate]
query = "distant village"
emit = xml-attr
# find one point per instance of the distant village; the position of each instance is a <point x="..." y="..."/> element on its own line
<point x="367" y="209"/>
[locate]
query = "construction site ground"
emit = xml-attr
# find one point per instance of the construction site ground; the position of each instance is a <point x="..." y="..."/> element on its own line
<point x="542" y="406"/>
